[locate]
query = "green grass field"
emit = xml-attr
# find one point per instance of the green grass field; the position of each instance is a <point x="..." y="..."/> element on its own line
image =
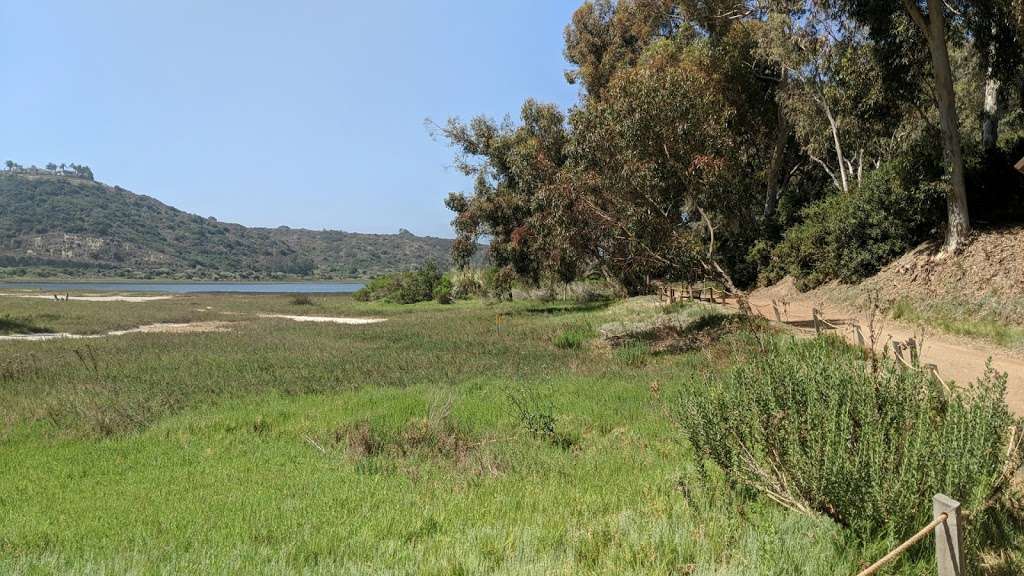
<point x="466" y="439"/>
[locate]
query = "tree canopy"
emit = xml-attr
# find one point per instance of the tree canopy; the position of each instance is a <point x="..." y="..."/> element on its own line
<point x="714" y="138"/>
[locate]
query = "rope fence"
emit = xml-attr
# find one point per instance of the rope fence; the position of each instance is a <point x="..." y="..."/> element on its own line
<point x="948" y="539"/>
<point x="668" y="293"/>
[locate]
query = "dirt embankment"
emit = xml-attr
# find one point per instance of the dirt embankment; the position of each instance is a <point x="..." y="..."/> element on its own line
<point x="988" y="275"/>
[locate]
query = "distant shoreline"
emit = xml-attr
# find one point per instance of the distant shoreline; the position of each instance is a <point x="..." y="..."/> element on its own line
<point x="122" y="280"/>
<point x="188" y="287"/>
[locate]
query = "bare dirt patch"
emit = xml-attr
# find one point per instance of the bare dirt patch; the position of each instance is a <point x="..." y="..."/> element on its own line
<point x="985" y="280"/>
<point x="161" y="328"/>
<point x="324" y="319"/>
<point x="179" y="328"/>
<point x="91" y="298"/>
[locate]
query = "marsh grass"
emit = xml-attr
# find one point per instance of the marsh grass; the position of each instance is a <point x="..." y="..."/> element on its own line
<point x="12" y="325"/>
<point x="392" y="448"/>
<point x="634" y="353"/>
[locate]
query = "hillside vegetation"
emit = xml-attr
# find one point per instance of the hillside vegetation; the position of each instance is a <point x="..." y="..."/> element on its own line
<point x="57" y="226"/>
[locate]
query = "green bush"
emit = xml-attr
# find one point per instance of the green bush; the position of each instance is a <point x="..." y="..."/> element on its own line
<point x="404" y="287"/>
<point x="443" y="291"/>
<point x="498" y="282"/>
<point x="809" y="425"/>
<point x="539" y="419"/>
<point x="376" y="289"/>
<point x="848" y="237"/>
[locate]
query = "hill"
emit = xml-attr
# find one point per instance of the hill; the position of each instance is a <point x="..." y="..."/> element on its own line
<point x="58" y="226"/>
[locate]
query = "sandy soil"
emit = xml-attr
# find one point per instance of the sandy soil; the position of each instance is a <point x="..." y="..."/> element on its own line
<point x="93" y="298"/>
<point x="959" y="359"/>
<point x="162" y="328"/>
<point x="329" y="319"/>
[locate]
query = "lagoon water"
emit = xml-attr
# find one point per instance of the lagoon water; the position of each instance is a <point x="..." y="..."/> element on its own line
<point x="188" y="287"/>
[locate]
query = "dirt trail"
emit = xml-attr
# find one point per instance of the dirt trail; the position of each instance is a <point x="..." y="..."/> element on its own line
<point x="957" y="359"/>
<point x="323" y="319"/>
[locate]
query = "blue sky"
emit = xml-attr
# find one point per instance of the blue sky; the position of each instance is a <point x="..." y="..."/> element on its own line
<point x="306" y="113"/>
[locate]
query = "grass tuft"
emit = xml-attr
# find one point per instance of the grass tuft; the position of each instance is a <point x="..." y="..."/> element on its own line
<point x="303" y="300"/>
<point x="575" y="336"/>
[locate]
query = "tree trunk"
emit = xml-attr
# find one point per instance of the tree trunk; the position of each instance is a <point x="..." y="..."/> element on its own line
<point x="835" y="139"/>
<point x="771" y="198"/>
<point x="958" y="225"/>
<point x="991" y="113"/>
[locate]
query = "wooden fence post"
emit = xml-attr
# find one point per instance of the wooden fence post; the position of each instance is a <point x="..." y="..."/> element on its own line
<point x="671" y="295"/>
<point x="948" y="538"/>
<point x="915" y="359"/>
<point x="860" y="335"/>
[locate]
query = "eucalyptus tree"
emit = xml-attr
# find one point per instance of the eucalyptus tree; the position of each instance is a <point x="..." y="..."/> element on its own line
<point x="996" y="28"/>
<point x="672" y="146"/>
<point x="845" y="119"/>
<point x="937" y="22"/>
<point x="511" y="166"/>
<point x="605" y="36"/>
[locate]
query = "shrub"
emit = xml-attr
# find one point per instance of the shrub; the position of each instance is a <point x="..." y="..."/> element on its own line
<point x="302" y="300"/>
<point x="377" y="289"/>
<point x="403" y="287"/>
<point x="443" y="291"/>
<point x="848" y="237"/>
<point x="539" y="419"/>
<point x="467" y="283"/>
<point x="498" y="282"/>
<point x="811" y="427"/>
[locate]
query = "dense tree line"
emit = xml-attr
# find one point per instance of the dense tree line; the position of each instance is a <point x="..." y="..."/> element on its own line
<point x="748" y="140"/>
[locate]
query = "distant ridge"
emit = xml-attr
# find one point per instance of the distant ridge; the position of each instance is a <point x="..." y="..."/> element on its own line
<point x="56" y="226"/>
